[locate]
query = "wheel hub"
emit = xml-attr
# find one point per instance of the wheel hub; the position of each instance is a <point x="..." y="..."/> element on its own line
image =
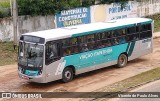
<point x="68" y="74"/>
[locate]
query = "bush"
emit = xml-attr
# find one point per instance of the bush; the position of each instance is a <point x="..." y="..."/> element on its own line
<point x="35" y="7"/>
<point x="5" y="12"/>
<point x="4" y="4"/>
<point x="4" y="8"/>
<point x="46" y="7"/>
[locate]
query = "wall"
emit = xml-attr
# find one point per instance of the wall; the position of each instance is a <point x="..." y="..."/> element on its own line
<point x="6" y="29"/>
<point x="113" y="11"/>
<point x="97" y="13"/>
<point x="25" y="24"/>
<point x="148" y="7"/>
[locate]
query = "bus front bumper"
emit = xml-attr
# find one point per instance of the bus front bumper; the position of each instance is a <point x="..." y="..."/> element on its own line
<point x="37" y="79"/>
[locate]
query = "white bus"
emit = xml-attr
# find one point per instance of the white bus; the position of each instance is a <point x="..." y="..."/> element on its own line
<point x="62" y="53"/>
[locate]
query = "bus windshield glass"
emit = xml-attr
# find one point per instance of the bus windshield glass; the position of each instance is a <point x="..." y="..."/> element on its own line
<point x="30" y="55"/>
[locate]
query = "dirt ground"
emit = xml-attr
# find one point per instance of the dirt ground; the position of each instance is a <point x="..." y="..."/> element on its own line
<point x="9" y="80"/>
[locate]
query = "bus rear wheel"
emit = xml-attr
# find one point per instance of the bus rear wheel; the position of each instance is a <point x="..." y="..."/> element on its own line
<point x="122" y="60"/>
<point x="67" y="75"/>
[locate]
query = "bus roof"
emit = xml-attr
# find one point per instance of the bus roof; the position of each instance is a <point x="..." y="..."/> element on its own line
<point x="65" y="32"/>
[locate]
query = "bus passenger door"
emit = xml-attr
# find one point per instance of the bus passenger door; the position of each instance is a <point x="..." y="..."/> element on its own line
<point x="52" y="62"/>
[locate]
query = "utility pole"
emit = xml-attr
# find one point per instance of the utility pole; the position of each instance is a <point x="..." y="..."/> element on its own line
<point x="15" y="22"/>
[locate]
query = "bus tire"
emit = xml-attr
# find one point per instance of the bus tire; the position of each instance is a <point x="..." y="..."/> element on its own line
<point x="122" y="60"/>
<point x="67" y="75"/>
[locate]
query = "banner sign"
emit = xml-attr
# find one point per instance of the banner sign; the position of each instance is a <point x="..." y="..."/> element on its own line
<point x="116" y="11"/>
<point x="73" y="17"/>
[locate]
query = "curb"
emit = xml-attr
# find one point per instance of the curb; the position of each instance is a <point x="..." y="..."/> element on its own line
<point x="125" y="90"/>
<point x="138" y="85"/>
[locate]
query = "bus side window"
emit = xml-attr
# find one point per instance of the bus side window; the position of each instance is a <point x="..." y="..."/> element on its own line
<point x="131" y="30"/>
<point x="122" y="39"/>
<point x="123" y="32"/>
<point x="149" y="26"/>
<point x="145" y="34"/>
<point x="91" y="42"/>
<point x="51" y="52"/>
<point x="118" y="32"/>
<point x="66" y="42"/>
<point x="73" y="41"/>
<point x="109" y="34"/>
<point x="116" y="41"/>
<point x="137" y="28"/>
<point x="106" y="43"/>
<point x="82" y="43"/>
<point x="98" y="36"/>
<point x="71" y="47"/>
<point x="145" y="31"/>
<point x="104" y="35"/>
<point x="112" y="34"/>
<point x="136" y="37"/>
<point x="145" y="27"/>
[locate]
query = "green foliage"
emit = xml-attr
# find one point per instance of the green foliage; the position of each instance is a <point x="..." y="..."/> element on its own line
<point x="4" y="4"/>
<point x="4" y="8"/>
<point x="66" y="4"/>
<point x="4" y="12"/>
<point x="45" y="7"/>
<point x="36" y="7"/>
<point x="106" y="1"/>
<point x="88" y="3"/>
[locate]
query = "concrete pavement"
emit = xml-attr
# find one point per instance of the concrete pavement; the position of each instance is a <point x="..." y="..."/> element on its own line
<point x="150" y="87"/>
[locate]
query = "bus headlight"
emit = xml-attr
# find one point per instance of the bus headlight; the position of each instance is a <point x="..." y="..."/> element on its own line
<point x="40" y="72"/>
<point x="20" y="69"/>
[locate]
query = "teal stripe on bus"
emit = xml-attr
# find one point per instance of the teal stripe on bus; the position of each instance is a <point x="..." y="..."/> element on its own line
<point x="128" y="47"/>
<point x="95" y="57"/>
<point x="132" y="44"/>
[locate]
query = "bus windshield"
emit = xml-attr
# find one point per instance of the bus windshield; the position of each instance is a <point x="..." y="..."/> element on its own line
<point x="30" y="55"/>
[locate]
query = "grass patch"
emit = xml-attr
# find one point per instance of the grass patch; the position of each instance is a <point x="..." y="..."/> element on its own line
<point x="132" y="82"/>
<point x="7" y="54"/>
<point x="156" y="19"/>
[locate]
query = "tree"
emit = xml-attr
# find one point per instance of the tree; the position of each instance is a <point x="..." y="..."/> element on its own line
<point x="46" y="7"/>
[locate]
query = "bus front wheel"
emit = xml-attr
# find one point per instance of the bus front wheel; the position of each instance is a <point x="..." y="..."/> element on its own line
<point x="67" y="74"/>
<point x="122" y="60"/>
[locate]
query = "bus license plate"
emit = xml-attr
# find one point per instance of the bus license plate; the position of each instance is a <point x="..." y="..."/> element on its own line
<point x="25" y="78"/>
